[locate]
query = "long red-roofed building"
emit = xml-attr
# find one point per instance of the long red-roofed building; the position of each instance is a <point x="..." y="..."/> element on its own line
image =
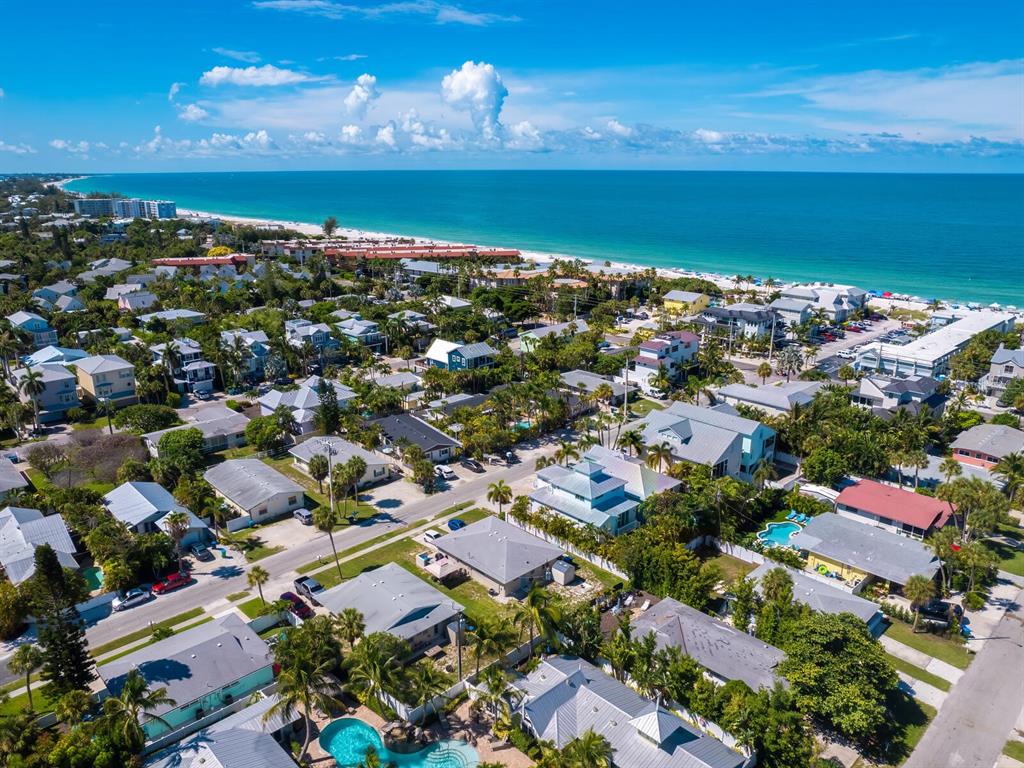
<point x="894" y="509"/>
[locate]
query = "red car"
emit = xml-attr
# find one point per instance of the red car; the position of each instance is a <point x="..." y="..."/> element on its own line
<point x="298" y="606"/>
<point x="171" y="583"/>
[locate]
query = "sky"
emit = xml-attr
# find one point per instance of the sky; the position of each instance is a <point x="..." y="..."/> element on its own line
<point x="333" y="84"/>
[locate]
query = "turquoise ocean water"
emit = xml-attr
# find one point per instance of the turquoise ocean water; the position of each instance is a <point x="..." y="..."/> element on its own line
<point x="946" y="236"/>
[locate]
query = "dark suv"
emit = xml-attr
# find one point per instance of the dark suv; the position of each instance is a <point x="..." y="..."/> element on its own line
<point x="939" y="612"/>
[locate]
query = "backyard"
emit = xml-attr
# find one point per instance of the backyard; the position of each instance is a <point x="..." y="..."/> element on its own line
<point x="1008" y="546"/>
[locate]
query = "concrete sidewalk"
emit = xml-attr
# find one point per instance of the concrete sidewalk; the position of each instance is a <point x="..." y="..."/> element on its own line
<point x="920" y="659"/>
<point x="929" y="694"/>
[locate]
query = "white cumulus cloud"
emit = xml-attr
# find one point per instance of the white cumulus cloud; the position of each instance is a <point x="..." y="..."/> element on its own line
<point x="386" y="135"/>
<point x="362" y="95"/>
<point x="708" y="137"/>
<point x="268" y="74"/>
<point x="614" y="126"/>
<point x="249" y="57"/>
<point x="74" y="147"/>
<point x="192" y="113"/>
<point x="478" y="90"/>
<point x="16" y="149"/>
<point x="351" y="134"/>
<point x="173" y="90"/>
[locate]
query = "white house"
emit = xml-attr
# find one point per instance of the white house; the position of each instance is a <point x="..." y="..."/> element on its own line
<point x="255" y="489"/>
<point x="378" y="468"/>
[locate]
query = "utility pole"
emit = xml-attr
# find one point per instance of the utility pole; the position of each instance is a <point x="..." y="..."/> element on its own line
<point x="330" y="449"/>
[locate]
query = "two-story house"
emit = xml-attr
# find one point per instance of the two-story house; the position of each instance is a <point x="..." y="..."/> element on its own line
<point x="671" y="352"/>
<point x="191" y="372"/>
<point x="304" y="402"/>
<point x="299" y="331"/>
<point x="1005" y="366"/>
<point x="35" y="327"/>
<point x="684" y="303"/>
<point x="838" y="302"/>
<point x="741" y="320"/>
<point x="366" y="333"/>
<point x="456" y="356"/>
<point x="59" y="393"/>
<point x="107" y="377"/>
<point x="884" y="395"/>
<point x="252" y="349"/>
<point x="793" y="312"/>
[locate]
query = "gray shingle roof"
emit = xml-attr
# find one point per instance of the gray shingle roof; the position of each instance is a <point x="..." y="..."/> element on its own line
<point x="416" y="431"/>
<point x="233" y="748"/>
<point x="500" y="551"/>
<point x="21" y="531"/>
<point x="10" y="477"/>
<point x="249" y="482"/>
<point x="566" y="696"/>
<point x="873" y="550"/>
<point x="103" y="364"/>
<point x="1002" y="356"/>
<point x="818" y="595"/>
<point x="993" y="439"/>
<point x="392" y="600"/>
<point x="136" y="502"/>
<point x="781" y="397"/>
<point x="343" y="451"/>
<point x="718" y="647"/>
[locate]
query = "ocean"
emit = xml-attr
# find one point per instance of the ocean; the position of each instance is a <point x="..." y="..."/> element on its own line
<point x="958" y="237"/>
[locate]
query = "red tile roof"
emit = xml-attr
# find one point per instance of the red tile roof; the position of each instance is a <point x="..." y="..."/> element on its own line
<point x="896" y="504"/>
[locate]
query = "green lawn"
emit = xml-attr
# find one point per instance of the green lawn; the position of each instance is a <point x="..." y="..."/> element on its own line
<point x="936" y="646"/>
<point x="253" y="547"/>
<point x="1014" y="749"/>
<point x="452" y="510"/>
<point x="100" y="422"/>
<point x="919" y="674"/>
<point x="1011" y="559"/>
<point x="284" y="465"/>
<point x="913" y="717"/>
<point x="252" y="608"/>
<point x="141" y="634"/>
<point x="16" y="704"/>
<point x="732" y="568"/>
<point x="234" y="597"/>
<point x="641" y="407"/>
<point x="238" y="453"/>
<point x="593" y="573"/>
<point x="41" y="483"/>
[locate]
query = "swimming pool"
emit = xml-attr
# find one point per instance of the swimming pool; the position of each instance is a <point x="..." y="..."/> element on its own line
<point x="778" y="534"/>
<point x="348" y="738"/>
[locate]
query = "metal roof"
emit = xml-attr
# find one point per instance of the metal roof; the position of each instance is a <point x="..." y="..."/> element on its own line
<point x="136" y="502"/>
<point x="21" y="531"/>
<point x="641" y="481"/>
<point x="103" y="364"/>
<point x="498" y="550"/>
<point x="392" y="600"/>
<point x="234" y="748"/>
<point x="248" y="483"/>
<point x="992" y="439"/>
<point x="10" y="477"/>
<point x="720" y="648"/>
<point x="781" y="397"/>
<point x="818" y="595"/>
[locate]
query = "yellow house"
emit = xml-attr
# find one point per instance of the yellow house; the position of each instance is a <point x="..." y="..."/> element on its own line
<point x="684" y="302"/>
<point x="106" y="377"/>
<point x="846" y="572"/>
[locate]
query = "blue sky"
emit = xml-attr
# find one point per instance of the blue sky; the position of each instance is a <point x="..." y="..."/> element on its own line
<point x="305" y="84"/>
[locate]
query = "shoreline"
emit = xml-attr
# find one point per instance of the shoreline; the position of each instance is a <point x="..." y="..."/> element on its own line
<point x="898" y="300"/>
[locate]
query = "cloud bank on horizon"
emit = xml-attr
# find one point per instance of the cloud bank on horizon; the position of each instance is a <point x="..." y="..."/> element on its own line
<point x="883" y="100"/>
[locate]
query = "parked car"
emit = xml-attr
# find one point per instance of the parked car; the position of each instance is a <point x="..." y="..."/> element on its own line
<point x="298" y="606"/>
<point x="201" y="553"/>
<point x="938" y="612"/>
<point x="172" y="582"/>
<point x="846" y="354"/>
<point x="446" y="473"/>
<point x="432" y="535"/>
<point x="310" y="587"/>
<point x="472" y="465"/>
<point x="201" y="395"/>
<point x="455" y="524"/>
<point x="131" y="598"/>
<point x="304" y="516"/>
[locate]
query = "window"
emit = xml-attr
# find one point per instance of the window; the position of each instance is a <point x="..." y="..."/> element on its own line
<point x="292" y="499"/>
<point x="1007" y="369"/>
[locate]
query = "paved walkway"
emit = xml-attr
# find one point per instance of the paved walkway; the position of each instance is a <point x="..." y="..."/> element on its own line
<point x="920" y="659"/>
<point x="929" y="694"/>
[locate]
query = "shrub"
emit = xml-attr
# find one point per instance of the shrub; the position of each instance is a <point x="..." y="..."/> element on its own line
<point x="145" y="418"/>
<point x="173" y="400"/>
<point x="77" y="414"/>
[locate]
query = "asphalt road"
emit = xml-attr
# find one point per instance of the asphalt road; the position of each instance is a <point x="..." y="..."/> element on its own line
<point x="976" y="719"/>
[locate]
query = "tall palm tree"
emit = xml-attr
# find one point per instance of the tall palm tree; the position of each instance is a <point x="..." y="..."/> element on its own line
<point x="8" y="351"/>
<point x="543" y="614"/>
<point x="325" y="519"/>
<point x="71" y="707"/>
<point x="1010" y="469"/>
<point x="32" y="386"/>
<point x="24" y="661"/>
<point x="426" y="681"/>
<point x="918" y="590"/>
<point x="305" y="686"/>
<point x="590" y="750"/>
<point x="350" y="625"/>
<point x="764" y="370"/>
<point x="659" y="455"/>
<point x="492" y="637"/>
<point x="374" y="669"/>
<point x="632" y="440"/>
<point x="566" y="452"/>
<point x="499" y="493"/>
<point x="135" y="701"/>
<point x="177" y="528"/>
<point x="257" y="577"/>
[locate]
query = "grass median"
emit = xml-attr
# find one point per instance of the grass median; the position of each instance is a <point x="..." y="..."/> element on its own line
<point x="917" y="673"/>
<point x="142" y="634"/>
<point x="936" y="646"/>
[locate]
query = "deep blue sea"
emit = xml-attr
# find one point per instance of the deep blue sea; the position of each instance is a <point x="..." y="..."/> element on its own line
<point x="946" y="236"/>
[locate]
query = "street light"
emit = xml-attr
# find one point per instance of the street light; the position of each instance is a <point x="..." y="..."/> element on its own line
<point x="105" y="402"/>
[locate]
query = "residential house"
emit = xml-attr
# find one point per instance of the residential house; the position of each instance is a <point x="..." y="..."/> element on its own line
<point x="191" y="372"/>
<point x="171" y="316"/>
<point x="304" y="402"/>
<point x="115" y="292"/>
<point x="144" y="507"/>
<point x="222" y="428"/>
<point x="446" y="406"/>
<point x="885" y="395"/>
<point x="103" y="268"/>
<point x="107" y="377"/>
<point x="233" y="748"/>
<point x="930" y="355"/>
<point x="21" y="531"/>
<point x="893" y="509"/>
<point x="741" y="320"/>
<point x="641" y="481"/>
<point x="814" y="591"/>
<point x="298" y="332"/>
<point x="838" y="302"/>
<point x="793" y="312"/>
<point x="403" y="428"/>
<point x="775" y="399"/>
<point x="255" y="489"/>
<point x="452" y="302"/>
<point x="49" y="294"/>
<point x="415" y="321"/>
<point x="1005" y="366"/>
<point x="406" y="381"/>
<point x="684" y="303"/>
<point x="726" y="653"/>
<point x="501" y="556"/>
<point x="717" y="437"/>
<point x="120" y="333"/>
<point x="10" y="479"/>
<point x="528" y="340"/>
<point x="340" y="451"/>
<point x="579" y="382"/>
<point x="987" y="444"/>
<point x="137" y="301"/>
<point x="456" y="356"/>
<point x="365" y="333"/>
<point x="34" y="326"/>
<point x="204" y="671"/>
<point x="858" y="554"/>
<point x="564" y="697"/>
<point x="59" y="393"/>
<point x="54" y="354"/>
<point x="253" y="350"/>
<point x="62" y="304"/>
<point x="393" y="600"/>
<point x="586" y="494"/>
<point x="671" y="352"/>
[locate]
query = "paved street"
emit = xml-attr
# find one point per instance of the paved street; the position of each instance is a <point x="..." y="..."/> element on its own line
<point x="975" y="721"/>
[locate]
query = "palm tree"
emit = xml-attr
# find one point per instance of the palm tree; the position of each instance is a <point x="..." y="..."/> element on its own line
<point x="590" y="750"/>
<point x="72" y="706"/>
<point x="659" y="455"/>
<point x="499" y="493"/>
<point x="32" y="386"/>
<point x="134" y="702"/>
<point x="661" y="380"/>
<point x="257" y="577"/>
<point x="493" y="683"/>
<point x="8" y="351"/>
<point x="491" y="638"/>
<point x="325" y="519"/>
<point x="763" y="472"/>
<point x="350" y="625"/>
<point x="373" y="669"/>
<point x="1010" y="469"/>
<point x="918" y="590"/>
<point x="26" y="660"/>
<point x="305" y="686"/>
<point x="286" y="424"/>
<point x="566" y="452"/>
<point x="177" y="528"/>
<point x="543" y="614"/>
<point x="319" y="469"/>
<point x="632" y="440"/>
<point x="764" y="370"/>
<point x="426" y="682"/>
